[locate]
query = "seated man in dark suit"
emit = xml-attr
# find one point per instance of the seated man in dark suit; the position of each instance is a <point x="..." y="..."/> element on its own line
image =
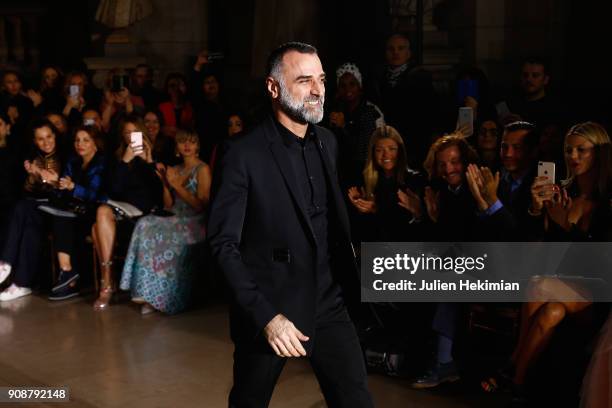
<point x="504" y="198"/>
<point x="279" y="230"/>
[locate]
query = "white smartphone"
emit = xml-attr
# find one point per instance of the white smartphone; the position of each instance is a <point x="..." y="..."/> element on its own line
<point x="547" y="169"/>
<point x="89" y="122"/>
<point x="74" y="91"/>
<point x="136" y="142"/>
<point x="465" y="119"/>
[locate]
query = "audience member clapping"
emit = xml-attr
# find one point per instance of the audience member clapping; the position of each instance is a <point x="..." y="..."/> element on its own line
<point x="19" y="258"/>
<point x="80" y="189"/>
<point x="159" y="272"/>
<point x="390" y="200"/>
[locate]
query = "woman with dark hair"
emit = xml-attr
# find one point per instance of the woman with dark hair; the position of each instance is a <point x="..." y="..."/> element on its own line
<point x="49" y="96"/>
<point x="390" y="201"/>
<point x="158" y="268"/>
<point x="132" y="180"/>
<point x="20" y="254"/>
<point x="80" y="188"/>
<point x="163" y="147"/>
<point x="236" y="123"/>
<point x="177" y="111"/>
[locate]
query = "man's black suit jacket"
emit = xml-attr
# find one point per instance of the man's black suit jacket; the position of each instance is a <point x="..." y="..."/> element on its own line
<point x="261" y="235"/>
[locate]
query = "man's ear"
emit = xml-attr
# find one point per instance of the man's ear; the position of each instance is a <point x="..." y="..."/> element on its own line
<point x="272" y="87"/>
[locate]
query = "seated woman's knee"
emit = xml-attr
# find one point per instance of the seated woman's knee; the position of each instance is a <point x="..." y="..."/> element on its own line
<point x="104" y="212"/>
<point x="552" y="314"/>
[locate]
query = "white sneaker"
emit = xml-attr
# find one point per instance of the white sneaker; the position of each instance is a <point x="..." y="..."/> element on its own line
<point x="5" y="271"/>
<point x="14" y="292"/>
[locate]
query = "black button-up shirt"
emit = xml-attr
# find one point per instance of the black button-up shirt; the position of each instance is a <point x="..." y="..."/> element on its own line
<point x="307" y="163"/>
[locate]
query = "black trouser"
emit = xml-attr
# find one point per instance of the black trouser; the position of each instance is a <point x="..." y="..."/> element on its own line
<point x="22" y="247"/>
<point x="336" y="359"/>
<point x="67" y="230"/>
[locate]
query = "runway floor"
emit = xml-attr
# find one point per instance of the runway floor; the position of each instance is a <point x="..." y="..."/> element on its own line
<point x="120" y="358"/>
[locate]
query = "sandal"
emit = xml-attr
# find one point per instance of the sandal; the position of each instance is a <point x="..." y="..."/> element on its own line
<point x="106" y="294"/>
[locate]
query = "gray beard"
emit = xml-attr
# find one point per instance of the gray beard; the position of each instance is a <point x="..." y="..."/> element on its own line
<point x="297" y="110"/>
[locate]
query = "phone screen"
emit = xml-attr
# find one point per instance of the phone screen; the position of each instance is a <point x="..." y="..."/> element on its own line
<point x="136" y="142"/>
<point x="74" y="91"/>
<point x="465" y="119"/>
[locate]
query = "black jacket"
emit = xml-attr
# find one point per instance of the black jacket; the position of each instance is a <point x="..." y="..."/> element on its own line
<point x="261" y="235"/>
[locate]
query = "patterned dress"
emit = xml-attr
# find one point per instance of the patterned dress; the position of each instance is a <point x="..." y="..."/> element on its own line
<point x="160" y="260"/>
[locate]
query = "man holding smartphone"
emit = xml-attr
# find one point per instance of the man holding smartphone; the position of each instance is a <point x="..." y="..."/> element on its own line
<point x="279" y="230"/>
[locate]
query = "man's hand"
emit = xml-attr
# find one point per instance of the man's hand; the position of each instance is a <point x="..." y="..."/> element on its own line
<point x="284" y="337"/>
<point x="483" y="185"/>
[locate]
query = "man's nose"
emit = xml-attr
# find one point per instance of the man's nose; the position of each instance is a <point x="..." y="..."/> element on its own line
<point x="317" y="88"/>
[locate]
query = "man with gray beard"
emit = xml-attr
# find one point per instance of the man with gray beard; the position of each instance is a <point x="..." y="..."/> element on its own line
<point x="279" y="230"/>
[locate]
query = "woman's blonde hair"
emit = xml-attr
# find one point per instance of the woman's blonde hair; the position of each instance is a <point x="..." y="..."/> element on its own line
<point x="371" y="170"/>
<point x="602" y="155"/>
<point x="468" y="154"/>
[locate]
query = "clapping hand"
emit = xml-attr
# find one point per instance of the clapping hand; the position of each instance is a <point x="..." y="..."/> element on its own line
<point x="483" y="185"/>
<point x="410" y="201"/>
<point x="358" y="200"/>
<point x="49" y="176"/>
<point x="66" y="183"/>
<point x="174" y="177"/>
<point x="35" y="97"/>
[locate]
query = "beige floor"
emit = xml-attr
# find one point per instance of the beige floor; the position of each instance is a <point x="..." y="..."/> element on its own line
<point x="122" y="359"/>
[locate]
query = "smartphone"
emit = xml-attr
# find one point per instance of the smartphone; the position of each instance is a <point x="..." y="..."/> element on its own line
<point x="136" y="142"/>
<point x="547" y="169"/>
<point x="465" y="119"/>
<point x="89" y="122"/>
<point x="74" y="91"/>
<point x="119" y="82"/>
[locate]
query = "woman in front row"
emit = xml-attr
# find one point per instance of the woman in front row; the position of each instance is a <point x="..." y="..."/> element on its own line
<point x="132" y="180"/>
<point x="389" y="205"/>
<point x="157" y="268"/>
<point x="81" y="185"/>
<point x="578" y="211"/>
<point x="19" y="258"/>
